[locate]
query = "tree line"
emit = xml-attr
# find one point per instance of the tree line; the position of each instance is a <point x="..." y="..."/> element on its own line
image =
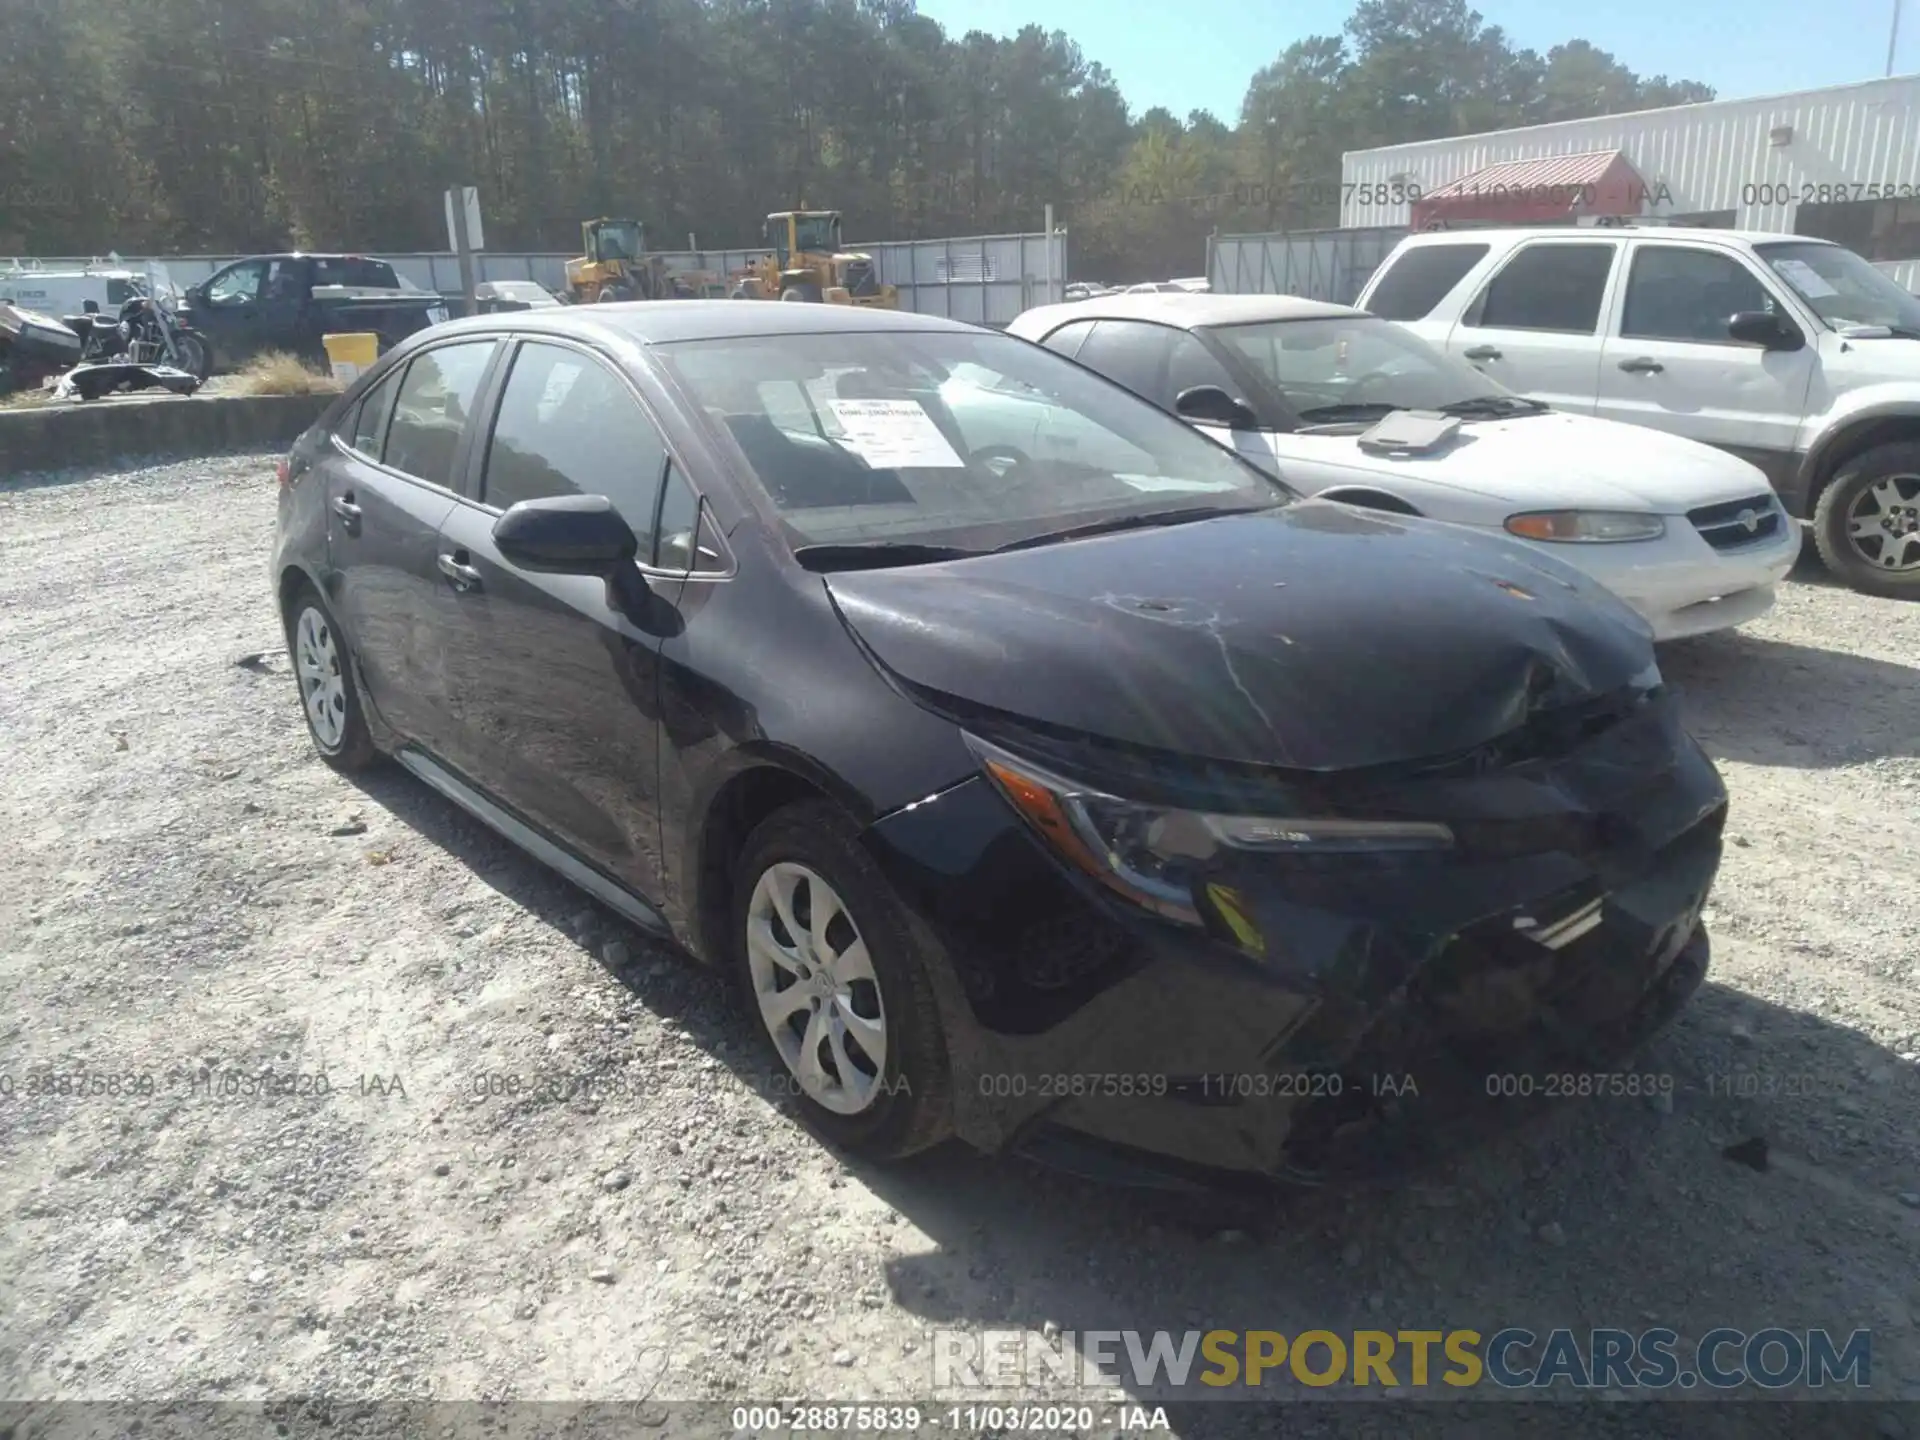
<point x="215" y="126"/>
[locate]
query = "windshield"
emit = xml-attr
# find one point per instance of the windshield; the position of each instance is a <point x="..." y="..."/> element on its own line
<point x="1318" y="365"/>
<point x="817" y="232"/>
<point x="1841" y="288"/>
<point x="950" y="439"/>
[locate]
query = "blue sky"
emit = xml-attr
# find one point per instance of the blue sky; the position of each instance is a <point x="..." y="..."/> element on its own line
<point x="1199" y="54"/>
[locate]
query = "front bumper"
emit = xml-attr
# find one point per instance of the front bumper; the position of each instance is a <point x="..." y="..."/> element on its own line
<point x="1683" y="586"/>
<point x="1357" y="1020"/>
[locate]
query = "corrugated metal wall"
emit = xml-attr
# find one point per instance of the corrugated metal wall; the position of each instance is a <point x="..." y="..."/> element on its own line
<point x="1694" y="158"/>
<point x="1328" y="265"/>
<point x="983" y="279"/>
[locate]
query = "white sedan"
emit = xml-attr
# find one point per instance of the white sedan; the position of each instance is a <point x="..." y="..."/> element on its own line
<point x="1350" y="407"/>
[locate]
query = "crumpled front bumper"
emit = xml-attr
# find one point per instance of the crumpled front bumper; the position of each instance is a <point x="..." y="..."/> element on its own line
<point x="1340" y="1019"/>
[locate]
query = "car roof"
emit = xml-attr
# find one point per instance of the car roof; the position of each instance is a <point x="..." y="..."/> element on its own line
<point x="1591" y="232"/>
<point x="1186" y="310"/>
<point x="655" y="322"/>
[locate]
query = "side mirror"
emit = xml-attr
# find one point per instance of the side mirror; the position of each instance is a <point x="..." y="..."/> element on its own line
<point x="566" y="535"/>
<point x="1766" y="329"/>
<point x="1214" y="406"/>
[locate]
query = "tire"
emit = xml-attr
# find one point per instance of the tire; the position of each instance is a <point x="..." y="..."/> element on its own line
<point x="1882" y="485"/>
<point x="319" y="657"/>
<point x="805" y="294"/>
<point x="908" y="1100"/>
<point x="196" y="355"/>
<point x="608" y="296"/>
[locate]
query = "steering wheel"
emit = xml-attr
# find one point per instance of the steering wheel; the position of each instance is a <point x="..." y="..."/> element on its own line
<point x="1361" y="382"/>
<point x="1003" y="462"/>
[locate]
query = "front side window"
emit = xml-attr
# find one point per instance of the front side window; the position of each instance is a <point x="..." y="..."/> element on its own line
<point x="237" y="284"/>
<point x="1676" y="293"/>
<point x="1067" y="339"/>
<point x="569" y="426"/>
<point x="432" y="408"/>
<point x="1334" y="368"/>
<point x="940" y="438"/>
<point x="817" y="233"/>
<point x="686" y="538"/>
<point x="1420" y="278"/>
<point x="1840" y="287"/>
<point x="1548" y="287"/>
<point x="1130" y="353"/>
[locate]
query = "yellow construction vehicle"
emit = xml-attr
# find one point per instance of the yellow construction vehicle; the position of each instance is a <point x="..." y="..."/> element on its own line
<point x="810" y="263"/>
<point x="616" y="265"/>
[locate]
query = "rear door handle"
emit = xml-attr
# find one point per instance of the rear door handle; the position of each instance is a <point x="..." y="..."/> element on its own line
<point x="1481" y="352"/>
<point x="456" y="569"/>
<point x="1642" y="365"/>
<point x="349" y="512"/>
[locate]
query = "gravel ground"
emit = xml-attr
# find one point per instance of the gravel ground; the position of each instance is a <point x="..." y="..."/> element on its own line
<point x="189" y="898"/>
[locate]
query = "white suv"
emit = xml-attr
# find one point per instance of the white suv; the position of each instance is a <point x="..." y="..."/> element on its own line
<point x="1792" y="353"/>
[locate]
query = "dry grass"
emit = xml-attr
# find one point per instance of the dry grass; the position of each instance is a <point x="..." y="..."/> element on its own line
<point x="25" y="399"/>
<point x="278" y="373"/>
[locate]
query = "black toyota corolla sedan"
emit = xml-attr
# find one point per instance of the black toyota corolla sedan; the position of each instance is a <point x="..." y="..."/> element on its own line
<point x="1046" y="775"/>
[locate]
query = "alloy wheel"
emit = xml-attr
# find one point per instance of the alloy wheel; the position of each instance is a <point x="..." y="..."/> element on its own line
<point x="1883" y="523"/>
<point x="815" y="988"/>
<point x="322" y="686"/>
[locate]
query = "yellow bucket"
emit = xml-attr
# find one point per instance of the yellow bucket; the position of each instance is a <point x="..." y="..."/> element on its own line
<point x="349" y="355"/>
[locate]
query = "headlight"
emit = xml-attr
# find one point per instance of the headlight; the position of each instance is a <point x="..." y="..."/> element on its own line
<point x="1154" y="855"/>
<point x="1594" y="527"/>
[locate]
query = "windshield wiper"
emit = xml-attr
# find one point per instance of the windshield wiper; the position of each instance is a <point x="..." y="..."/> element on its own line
<point x="877" y="554"/>
<point x="1348" y="410"/>
<point x="1129" y="522"/>
<point x="1862" y="330"/>
<point x="1494" y="405"/>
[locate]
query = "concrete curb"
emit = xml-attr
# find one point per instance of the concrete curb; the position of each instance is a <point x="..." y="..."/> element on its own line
<point x="60" y="437"/>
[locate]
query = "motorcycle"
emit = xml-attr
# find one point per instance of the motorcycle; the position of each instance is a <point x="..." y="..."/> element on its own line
<point x="147" y="331"/>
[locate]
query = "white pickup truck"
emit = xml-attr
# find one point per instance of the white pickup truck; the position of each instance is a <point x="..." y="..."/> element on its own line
<point x="1793" y="353"/>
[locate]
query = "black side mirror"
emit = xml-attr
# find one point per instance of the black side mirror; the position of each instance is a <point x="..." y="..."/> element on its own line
<point x="1766" y="329"/>
<point x="566" y="535"/>
<point x="1212" y="405"/>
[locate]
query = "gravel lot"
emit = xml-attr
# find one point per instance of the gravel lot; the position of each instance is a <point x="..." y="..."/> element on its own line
<point x="188" y="893"/>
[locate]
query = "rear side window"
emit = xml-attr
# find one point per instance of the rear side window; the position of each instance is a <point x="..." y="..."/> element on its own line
<point x="432" y="409"/>
<point x="1547" y="287"/>
<point x="569" y="426"/>
<point x="370" y="420"/>
<point x="1678" y="293"/>
<point x="1067" y="338"/>
<point x="1421" y="278"/>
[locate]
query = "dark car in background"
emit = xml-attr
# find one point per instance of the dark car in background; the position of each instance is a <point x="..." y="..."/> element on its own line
<point x="1044" y="773"/>
<point x="290" y="302"/>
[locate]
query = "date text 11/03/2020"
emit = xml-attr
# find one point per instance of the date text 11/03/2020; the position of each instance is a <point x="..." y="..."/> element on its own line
<point x="966" y="1419"/>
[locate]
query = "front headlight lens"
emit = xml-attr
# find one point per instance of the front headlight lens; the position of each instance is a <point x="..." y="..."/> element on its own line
<point x="1593" y="527"/>
<point x="1156" y="855"/>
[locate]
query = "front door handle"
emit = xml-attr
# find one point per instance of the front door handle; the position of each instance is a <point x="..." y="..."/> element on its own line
<point x="456" y="569"/>
<point x="348" y="512"/>
<point x="1482" y="352"/>
<point x="1642" y="365"/>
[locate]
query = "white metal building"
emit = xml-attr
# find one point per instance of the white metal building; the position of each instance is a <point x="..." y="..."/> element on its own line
<point x="1842" y="163"/>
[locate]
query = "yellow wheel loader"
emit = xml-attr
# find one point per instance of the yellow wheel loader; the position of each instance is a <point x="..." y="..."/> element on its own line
<point x="616" y="266"/>
<point x="811" y="264"/>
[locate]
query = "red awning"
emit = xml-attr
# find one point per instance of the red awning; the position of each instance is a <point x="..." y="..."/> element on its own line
<point x="1554" y="187"/>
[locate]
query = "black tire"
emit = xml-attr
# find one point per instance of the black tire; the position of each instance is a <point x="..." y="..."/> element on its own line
<point x="196" y="355"/>
<point x="804" y="294"/>
<point x="1843" y="555"/>
<point x="913" y="1109"/>
<point x="353" y="749"/>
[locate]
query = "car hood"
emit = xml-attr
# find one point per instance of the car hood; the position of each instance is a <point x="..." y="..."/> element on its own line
<point x="1533" y="461"/>
<point x="1315" y="636"/>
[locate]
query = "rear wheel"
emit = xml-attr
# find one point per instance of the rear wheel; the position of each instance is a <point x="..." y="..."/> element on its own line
<point x="804" y="293"/>
<point x="328" y="697"/>
<point x="828" y="962"/>
<point x="1867" y="524"/>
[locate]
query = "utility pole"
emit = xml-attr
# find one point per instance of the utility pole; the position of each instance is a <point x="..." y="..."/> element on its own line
<point x="1893" y="36"/>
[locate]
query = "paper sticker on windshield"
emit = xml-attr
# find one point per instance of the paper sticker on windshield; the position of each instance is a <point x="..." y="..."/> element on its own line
<point x="894" y="435"/>
<point x="1804" y="278"/>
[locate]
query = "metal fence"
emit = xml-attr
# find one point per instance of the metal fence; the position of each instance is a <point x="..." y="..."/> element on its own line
<point x="1330" y="265"/>
<point x="983" y="279"/>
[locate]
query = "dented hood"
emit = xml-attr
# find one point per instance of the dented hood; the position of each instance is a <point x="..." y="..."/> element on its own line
<point x="1315" y="636"/>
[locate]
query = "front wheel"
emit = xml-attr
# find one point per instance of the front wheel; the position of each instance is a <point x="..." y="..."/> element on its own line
<point x="1867" y="524"/>
<point x="803" y="294"/>
<point x="829" y="963"/>
<point x="196" y="356"/>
